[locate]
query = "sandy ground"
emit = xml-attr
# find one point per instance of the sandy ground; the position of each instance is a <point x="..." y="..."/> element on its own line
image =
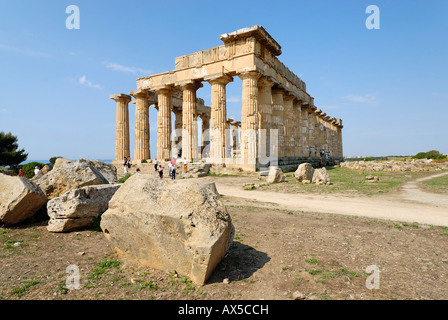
<point x="410" y="204"/>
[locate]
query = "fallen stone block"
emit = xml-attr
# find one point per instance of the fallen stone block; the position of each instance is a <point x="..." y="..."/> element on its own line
<point x="180" y="225"/>
<point x="275" y="175"/>
<point x="69" y="175"/>
<point x="77" y="209"/>
<point x="20" y="198"/>
<point x="304" y="172"/>
<point x="321" y="176"/>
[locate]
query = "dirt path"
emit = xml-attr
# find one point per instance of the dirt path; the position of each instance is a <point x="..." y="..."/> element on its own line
<point x="410" y="205"/>
<point x="411" y="191"/>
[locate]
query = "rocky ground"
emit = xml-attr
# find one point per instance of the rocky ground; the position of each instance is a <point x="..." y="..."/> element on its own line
<point x="278" y="253"/>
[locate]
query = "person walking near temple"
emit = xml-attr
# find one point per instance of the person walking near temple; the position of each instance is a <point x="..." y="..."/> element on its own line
<point x="173" y="173"/>
<point x="185" y="165"/>
<point x="170" y="168"/>
<point x="156" y="164"/>
<point x="125" y="165"/>
<point x="160" y="171"/>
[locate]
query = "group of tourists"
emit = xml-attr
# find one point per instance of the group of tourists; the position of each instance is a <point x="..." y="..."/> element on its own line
<point x="171" y="168"/>
<point x="158" y="167"/>
<point x="323" y="154"/>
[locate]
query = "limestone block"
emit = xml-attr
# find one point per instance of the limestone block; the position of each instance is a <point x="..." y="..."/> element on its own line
<point x="20" y="199"/>
<point x="321" y="176"/>
<point x="76" y="209"/>
<point x="60" y="162"/>
<point x="275" y="175"/>
<point x="167" y="225"/>
<point x="304" y="172"/>
<point x="72" y="175"/>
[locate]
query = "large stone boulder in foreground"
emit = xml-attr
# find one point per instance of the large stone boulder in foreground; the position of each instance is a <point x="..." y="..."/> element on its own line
<point x="77" y="209"/>
<point x="169" y="225"/>
<point x="275" y="175"/>
<point x="20" y="199"/>
<point x="304" y="173"/>
<point x="68" y="176"/>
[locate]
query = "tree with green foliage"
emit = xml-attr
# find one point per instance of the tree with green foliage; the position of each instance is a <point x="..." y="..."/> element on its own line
<point x="432" y="154"/>
<point x="9" y="153"/>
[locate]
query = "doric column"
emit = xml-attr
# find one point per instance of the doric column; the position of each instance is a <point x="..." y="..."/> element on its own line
<point x="265" y="85"/>
<point x="333" y="145"/>
<point x="177" y="134"/>
<point x="164" y="123"/>
<point x="122" y="126"/>
<point x="318" y="131"/>
<point x="235" y="137"/>
<point x="304" y="130"/>
<point x="249" y="119"/>
<point x="288" y="121"/>
<point x="205" y="135"/>
<point x="141" y="142"/>
<point x="277" y="119"/>
<point x="218" y="116"/>
<point x="311" y="131"/>
<point x="339" y="126"/>
<point x="229" y="139"/>
<point x="189" y="120"/>
<point x="297" y="117"/>
<point x="327" y="133"/>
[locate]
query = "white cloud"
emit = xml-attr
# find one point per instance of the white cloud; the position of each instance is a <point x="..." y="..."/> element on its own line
<point x="27" y="52"/>
<point x="366" y="98"/>
<point x="118" y="67"/>
<point x="83" y="80"/>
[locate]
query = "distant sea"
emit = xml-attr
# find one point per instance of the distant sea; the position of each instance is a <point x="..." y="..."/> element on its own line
<point x="47" y="161"/>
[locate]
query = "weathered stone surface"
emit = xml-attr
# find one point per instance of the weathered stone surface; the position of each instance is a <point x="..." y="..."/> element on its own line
<point x="321" y="176"/>
<point x="45" y="169"/>
<point x="166" y="225"/>
<point x="20" y="198"/>
<point x="275" y="175"/>
<point x="304" y="172"/>
<point x="212" y="187"/>
<point x="71" y="175"/>
<point x="414" y="165"/>
<point x="76" y="209"/>
<point x="60" y="162"/>
<point x="108" y="170"/>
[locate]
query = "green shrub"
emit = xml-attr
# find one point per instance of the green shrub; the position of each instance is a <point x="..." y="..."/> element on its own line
<point x="28" y="169"/>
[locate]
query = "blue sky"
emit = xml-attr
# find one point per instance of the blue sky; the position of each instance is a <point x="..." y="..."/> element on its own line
<point x="389" y="85"/>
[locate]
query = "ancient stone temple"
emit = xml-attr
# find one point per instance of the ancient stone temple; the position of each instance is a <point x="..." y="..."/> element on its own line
<point x="279" y="125"/>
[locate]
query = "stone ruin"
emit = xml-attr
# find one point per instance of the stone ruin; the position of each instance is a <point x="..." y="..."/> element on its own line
<point x="280" y="124"/>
